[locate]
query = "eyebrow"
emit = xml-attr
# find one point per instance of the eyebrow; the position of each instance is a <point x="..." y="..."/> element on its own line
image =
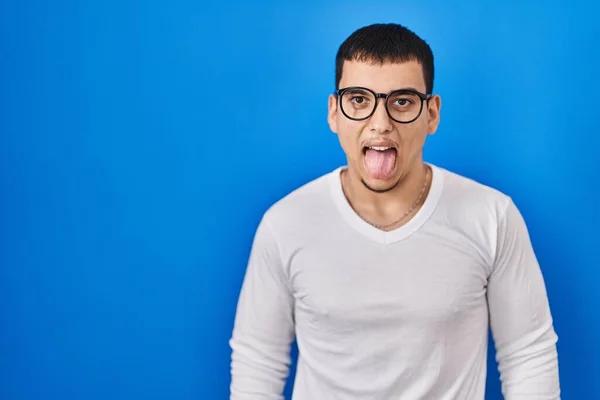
<point x="407" y="88"/>
<point x="358" y="89"/>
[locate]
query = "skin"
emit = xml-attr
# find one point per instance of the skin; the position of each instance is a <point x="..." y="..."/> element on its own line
<point x="382" y="201"/>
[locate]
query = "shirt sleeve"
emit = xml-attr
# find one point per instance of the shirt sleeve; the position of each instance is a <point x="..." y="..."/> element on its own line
<point x="264" y="324"/>
<point x="520" y="317"/>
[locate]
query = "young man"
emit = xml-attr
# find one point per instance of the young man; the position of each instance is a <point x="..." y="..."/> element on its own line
<point x="390" y="271"/>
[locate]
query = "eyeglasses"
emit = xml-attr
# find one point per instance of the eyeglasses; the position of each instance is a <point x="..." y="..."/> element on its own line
<point x="359" y="103"/>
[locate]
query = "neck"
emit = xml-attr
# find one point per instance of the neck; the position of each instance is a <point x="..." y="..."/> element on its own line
<point x="387" y="207"/>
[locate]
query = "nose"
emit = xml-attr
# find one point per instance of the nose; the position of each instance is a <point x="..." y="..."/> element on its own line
<point x="380" y="121"/>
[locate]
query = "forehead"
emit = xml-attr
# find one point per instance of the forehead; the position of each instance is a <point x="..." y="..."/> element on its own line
<point x="383" y="77"/>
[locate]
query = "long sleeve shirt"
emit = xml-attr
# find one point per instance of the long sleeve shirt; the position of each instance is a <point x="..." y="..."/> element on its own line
<point x="402" y="314"/>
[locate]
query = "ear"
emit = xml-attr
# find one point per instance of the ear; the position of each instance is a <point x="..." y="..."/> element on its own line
<point x="434" y="106"/>
<point x="332" y="113"/>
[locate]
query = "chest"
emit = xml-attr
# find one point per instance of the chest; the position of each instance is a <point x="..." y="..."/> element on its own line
<point x="427" y="284"/>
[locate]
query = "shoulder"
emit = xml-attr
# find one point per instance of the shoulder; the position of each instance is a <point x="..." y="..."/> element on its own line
<point x="303" y="204"/>
<point x="473" y="212"/>
<point x="467" y="198"/>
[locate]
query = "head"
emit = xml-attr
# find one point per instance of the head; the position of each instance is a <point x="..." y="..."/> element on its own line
<point x="383" y="138"/>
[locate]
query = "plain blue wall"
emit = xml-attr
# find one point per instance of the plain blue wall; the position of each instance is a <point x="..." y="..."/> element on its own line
<point x="140" y="142"/>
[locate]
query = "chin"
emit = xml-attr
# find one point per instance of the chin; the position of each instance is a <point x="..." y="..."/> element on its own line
<point x="380" y="185"/>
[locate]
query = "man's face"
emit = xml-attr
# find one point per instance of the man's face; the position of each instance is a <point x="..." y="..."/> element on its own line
<point x="365" y="142"/>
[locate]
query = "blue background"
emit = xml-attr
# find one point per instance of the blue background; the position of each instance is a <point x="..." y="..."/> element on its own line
<point x="140" y="142"/>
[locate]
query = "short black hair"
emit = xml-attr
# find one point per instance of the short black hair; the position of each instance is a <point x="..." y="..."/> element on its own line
<point x="381" y="43"/>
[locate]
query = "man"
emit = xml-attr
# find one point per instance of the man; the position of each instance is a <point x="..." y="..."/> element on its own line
<point x="390" y="271"/>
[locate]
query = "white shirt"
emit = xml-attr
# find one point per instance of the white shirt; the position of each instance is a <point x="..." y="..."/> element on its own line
<point x="400" y="315"/>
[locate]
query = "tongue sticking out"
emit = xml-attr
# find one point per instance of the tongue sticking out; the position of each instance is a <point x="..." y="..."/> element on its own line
<point x="380" y="164"/>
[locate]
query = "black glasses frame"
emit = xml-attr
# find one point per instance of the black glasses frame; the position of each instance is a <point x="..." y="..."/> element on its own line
<point x="424" y="97"/>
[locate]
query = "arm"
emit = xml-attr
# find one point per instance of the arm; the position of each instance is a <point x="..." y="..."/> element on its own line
<point x="264" y="324"/>
<point x="520" y="318"/>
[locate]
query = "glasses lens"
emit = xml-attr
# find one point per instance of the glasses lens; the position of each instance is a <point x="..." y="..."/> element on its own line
<point x="404" y="106"/>
<point x="357" y="103"/>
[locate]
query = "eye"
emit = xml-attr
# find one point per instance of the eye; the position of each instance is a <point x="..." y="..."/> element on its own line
<point x="358" y="99"/>
<point x="402" y="102"/>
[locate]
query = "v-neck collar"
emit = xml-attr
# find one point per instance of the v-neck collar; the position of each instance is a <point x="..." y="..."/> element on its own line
<point x="379" y="235"/>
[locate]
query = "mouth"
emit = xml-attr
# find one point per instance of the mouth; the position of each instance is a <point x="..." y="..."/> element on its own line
<point x="379" y="148"/>
<point x="380" y="160"/>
